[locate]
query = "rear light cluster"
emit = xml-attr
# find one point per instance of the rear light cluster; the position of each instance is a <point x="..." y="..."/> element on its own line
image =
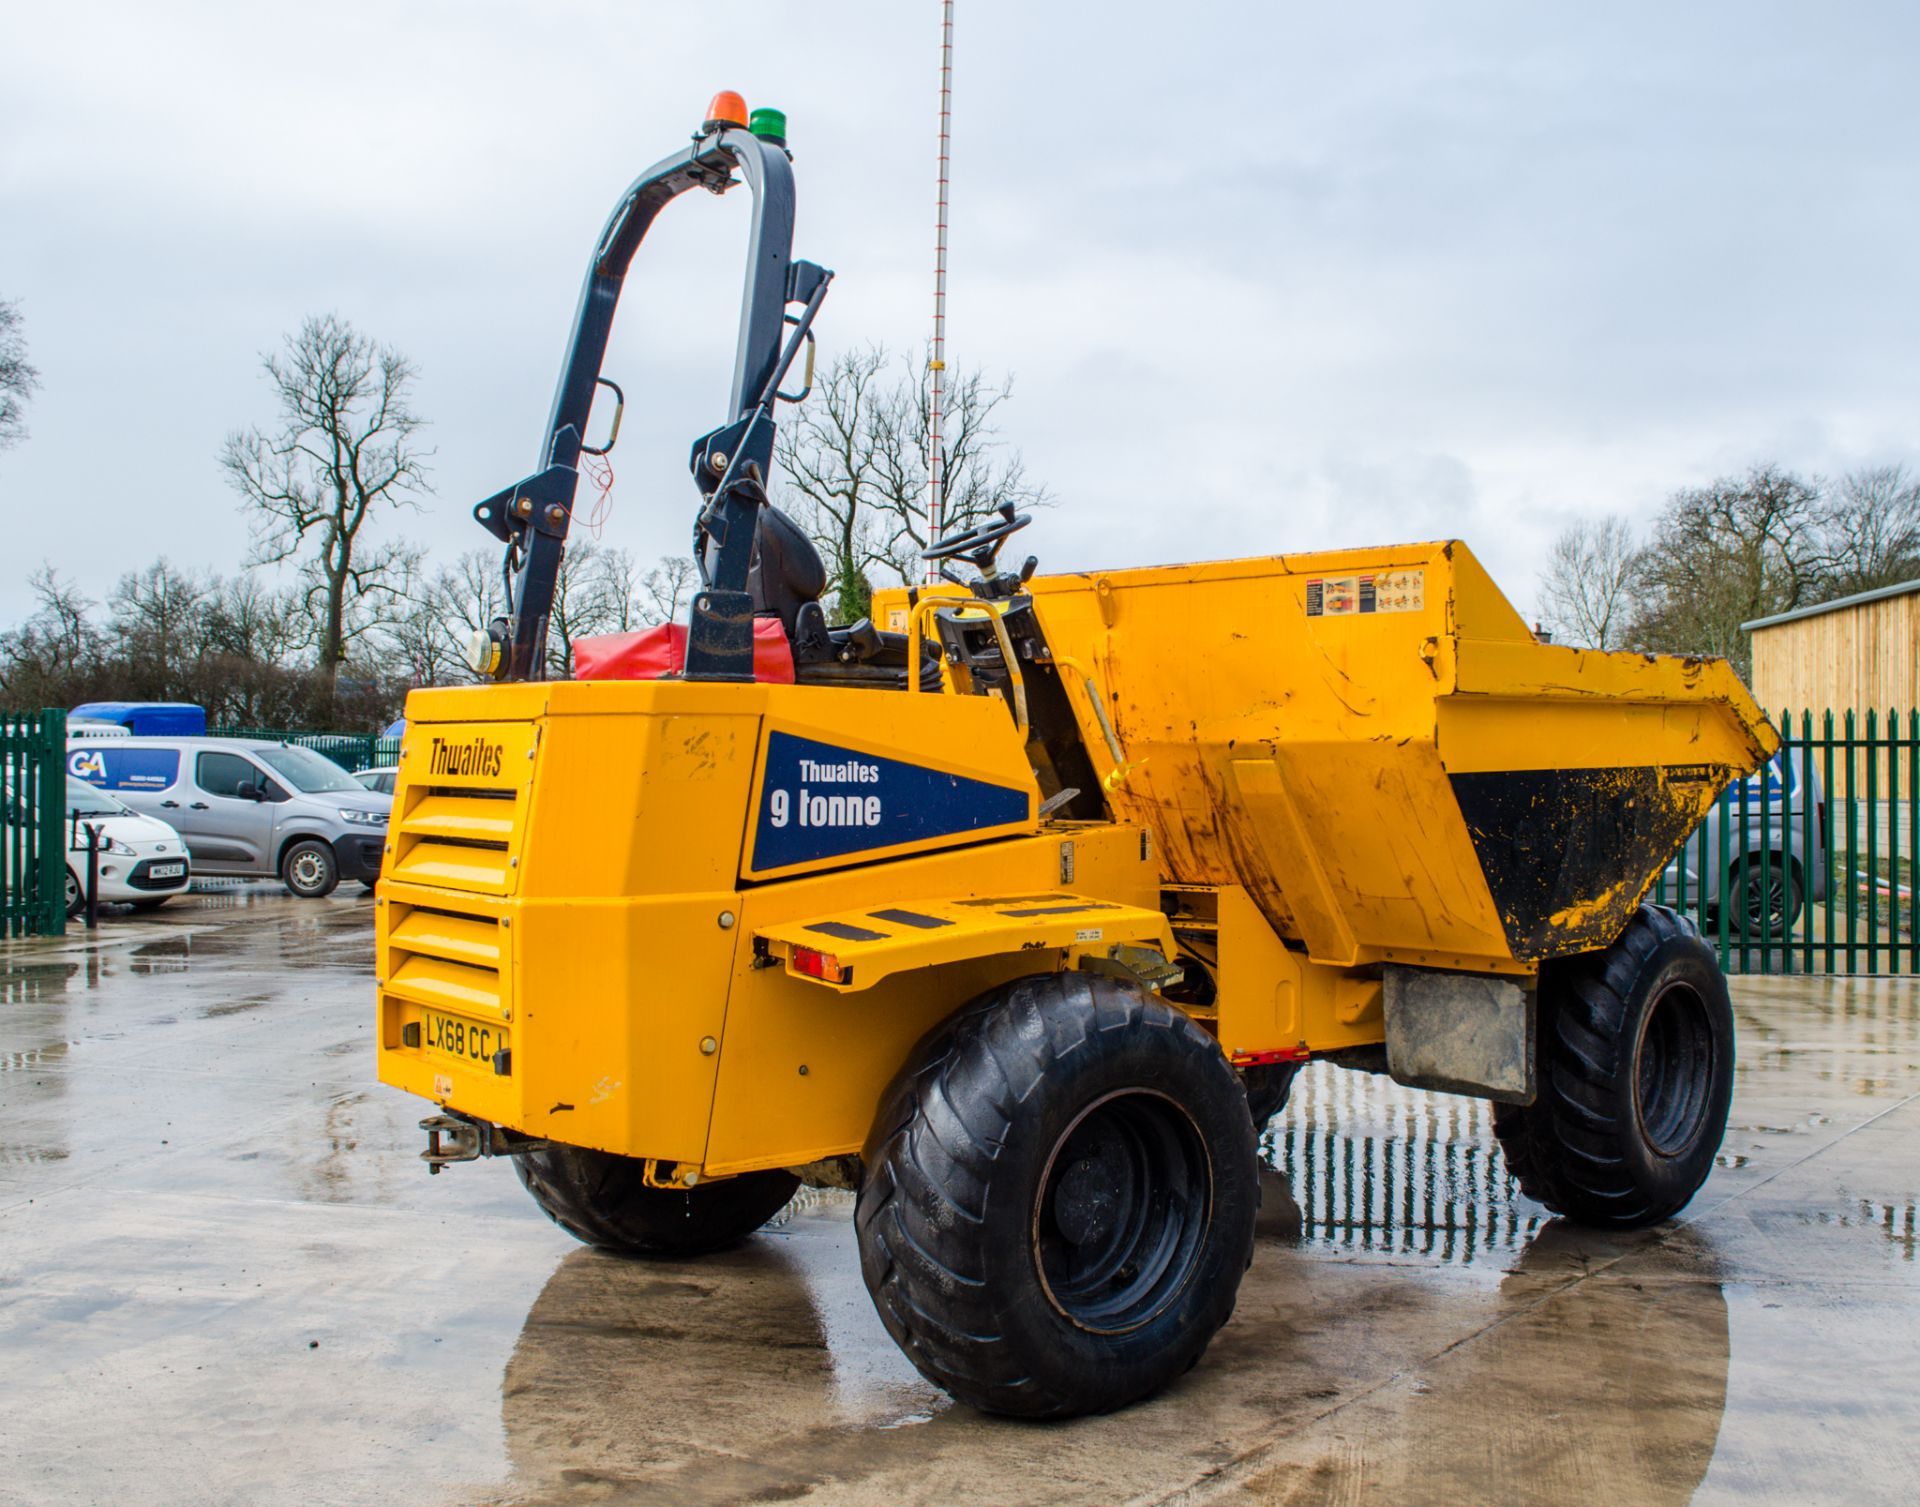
<point x="820" y="965"/>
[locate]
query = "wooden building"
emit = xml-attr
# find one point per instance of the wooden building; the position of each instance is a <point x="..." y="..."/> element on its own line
<point x="1858" y="652"/>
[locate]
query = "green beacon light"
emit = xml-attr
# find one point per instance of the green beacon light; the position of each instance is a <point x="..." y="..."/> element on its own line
<point x="769" y="125"/>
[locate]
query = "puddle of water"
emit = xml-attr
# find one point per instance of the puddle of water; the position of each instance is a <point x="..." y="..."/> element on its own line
<point x="1381" y="1170"/>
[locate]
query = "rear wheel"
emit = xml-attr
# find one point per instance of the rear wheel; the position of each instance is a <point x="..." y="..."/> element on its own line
<point x="1634" y="1077"/>
<point x="1059" y="1201"/>
<point x="603" y="1199"/>
<point x="309" y="869"/>
<point x="1766" y="896"/>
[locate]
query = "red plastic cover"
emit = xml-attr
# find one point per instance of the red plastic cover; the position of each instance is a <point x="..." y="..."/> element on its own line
<point x="655" y="653"/>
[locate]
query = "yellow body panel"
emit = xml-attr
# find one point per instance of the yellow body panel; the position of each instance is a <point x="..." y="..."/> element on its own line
<point x="1310" y="727"/>
<point x="1325" y="763"/>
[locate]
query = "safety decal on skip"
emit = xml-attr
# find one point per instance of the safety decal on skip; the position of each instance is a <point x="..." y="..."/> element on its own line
<point x="820" y="801"/>
<point x="1385" y="591"/>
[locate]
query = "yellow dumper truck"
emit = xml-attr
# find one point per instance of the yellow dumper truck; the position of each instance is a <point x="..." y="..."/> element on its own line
<point x="1016" y="908"/>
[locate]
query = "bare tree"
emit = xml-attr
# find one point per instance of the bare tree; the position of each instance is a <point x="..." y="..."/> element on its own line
<point x="853" y="467"/>
<point x="247" y="619"/>
<point x="1586" y="590"/>
<point x="663" y="591"/>
<point x="158" y="616"/>
<point x="1871" y="523"/>
<point x="53" y="657"/>
<point x="340" y="455"/>
<point x="1739" y="548"/>
<point x="18" y="379"/>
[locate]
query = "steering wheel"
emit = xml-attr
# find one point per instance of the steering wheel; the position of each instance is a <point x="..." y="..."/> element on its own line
<point x="979" y="539"/>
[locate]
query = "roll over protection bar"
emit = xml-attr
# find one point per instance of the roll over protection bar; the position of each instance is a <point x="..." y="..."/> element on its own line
<point x="731" y="464"/>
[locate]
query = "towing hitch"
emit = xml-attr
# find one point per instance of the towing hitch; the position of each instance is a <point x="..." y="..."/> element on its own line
<point x="455" y="1138"/>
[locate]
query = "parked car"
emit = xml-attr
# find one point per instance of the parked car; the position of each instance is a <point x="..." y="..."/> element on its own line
<point x="1775" y="862"/>
<point x="380" y="778"/>
<point x="247" y="808"/>
<point x="143" y="862"/>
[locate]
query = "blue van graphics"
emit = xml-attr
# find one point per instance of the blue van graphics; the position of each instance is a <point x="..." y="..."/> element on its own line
<point x="116" y="768"/>
<point x="821" y="801"/>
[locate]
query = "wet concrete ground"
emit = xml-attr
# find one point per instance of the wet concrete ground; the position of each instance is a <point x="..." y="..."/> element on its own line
<point x="225" y="1278"/>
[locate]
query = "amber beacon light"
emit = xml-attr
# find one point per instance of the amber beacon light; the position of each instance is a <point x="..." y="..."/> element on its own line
<point x="727" y="108"/>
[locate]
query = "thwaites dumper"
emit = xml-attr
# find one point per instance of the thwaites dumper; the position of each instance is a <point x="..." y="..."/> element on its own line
<point x="1017" y="910"/>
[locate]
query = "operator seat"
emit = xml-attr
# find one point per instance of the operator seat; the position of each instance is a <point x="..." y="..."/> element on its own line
<point x="785" y="579"/>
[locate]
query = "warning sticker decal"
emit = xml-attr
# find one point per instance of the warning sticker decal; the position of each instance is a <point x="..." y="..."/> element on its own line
<point x="1386" y="591"/>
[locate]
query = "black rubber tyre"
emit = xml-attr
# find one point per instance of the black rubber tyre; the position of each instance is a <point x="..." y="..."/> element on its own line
<point x="1766" y="897"/>
<point x="1059" y="1199"/>
<point x="1635" y="1075"/>
<point x="603" y="1199"/>
<point x="76" y="895"/>
<point x="1268" y="1086"/>
<point x="309" y="870"/>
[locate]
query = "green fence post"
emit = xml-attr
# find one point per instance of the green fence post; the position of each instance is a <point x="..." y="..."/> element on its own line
<point x="51" y="775"/>
<point x="1767" y="865"/>
<point x="1853" y="842"/>
<point x="1893" y="841"/>
<point x="1803" y="782"/>
<point x="1873" y="841"/>
<point x="1722" y="879"/>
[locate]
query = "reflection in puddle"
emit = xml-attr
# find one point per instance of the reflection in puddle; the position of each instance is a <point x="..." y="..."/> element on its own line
<point x="1897" y="1221"/>
<point x="1381" y="1169"/>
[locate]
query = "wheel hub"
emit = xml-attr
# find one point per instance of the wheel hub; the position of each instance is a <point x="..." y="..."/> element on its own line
<point x="1122" y="1210"/>
<point x="1674" y="1070"/>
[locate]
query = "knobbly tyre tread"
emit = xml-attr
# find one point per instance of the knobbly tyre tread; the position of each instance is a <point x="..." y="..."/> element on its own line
<point x="602" y="1200"/>
<point x="1268" y="1087"/>
<point x="945" y="1193"/>
<point x="1576" y="1148"/>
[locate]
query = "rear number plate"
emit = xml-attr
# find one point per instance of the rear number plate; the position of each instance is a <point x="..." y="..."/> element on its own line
<point x="166" y="871"/>
<point x="469" y="1040"/>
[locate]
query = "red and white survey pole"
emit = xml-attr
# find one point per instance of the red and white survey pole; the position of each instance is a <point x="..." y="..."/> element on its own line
<point x="937" y="359"/>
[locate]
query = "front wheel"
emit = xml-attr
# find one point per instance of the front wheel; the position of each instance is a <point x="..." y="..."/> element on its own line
<point x="309" y="870"/>
<point x="1635" y="1073"/>
<point x="1060" y="1198"/>
<point x="76" y="895"/>
<point x="604" y="1200"/>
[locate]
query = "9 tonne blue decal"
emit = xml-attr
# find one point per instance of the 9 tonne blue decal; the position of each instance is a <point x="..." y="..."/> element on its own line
<point x="818" y="801"/>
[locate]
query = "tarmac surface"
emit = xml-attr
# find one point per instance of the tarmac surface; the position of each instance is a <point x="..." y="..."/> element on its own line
<point x="226" y="1278"/>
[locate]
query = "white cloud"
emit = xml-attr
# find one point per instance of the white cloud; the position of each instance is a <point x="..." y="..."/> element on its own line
<point x="1270" y="277"/>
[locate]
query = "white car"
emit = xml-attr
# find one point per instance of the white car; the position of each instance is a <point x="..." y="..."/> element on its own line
<point x="143" y="862"/>
<point x="380" y="779"/>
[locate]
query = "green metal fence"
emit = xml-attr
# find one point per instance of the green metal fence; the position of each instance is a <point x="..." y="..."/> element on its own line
<point x="350" y="751"/>
<point x="1807" y="866"/>
<point x="33" y="851"/>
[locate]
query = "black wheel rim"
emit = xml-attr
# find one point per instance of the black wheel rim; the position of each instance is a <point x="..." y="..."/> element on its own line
<point x="1675" y="1070"/>
<point x="1122" y="1211"/>
<point x="1766" y="900"/>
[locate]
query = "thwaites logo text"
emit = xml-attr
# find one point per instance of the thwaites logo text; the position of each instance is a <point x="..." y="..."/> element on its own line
<point x="819" y="801"/>
<point x="824" y="799"/>
<point x="475" y="756"/>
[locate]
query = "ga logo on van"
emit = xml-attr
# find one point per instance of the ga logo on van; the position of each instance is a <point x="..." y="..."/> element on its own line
<point x="88" y="765"/>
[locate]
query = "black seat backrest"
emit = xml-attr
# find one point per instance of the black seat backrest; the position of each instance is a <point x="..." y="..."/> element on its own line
<point x="786" y="572"/>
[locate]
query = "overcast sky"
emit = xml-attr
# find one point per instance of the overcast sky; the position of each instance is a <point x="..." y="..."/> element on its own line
<point x="1269" y="276"/>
